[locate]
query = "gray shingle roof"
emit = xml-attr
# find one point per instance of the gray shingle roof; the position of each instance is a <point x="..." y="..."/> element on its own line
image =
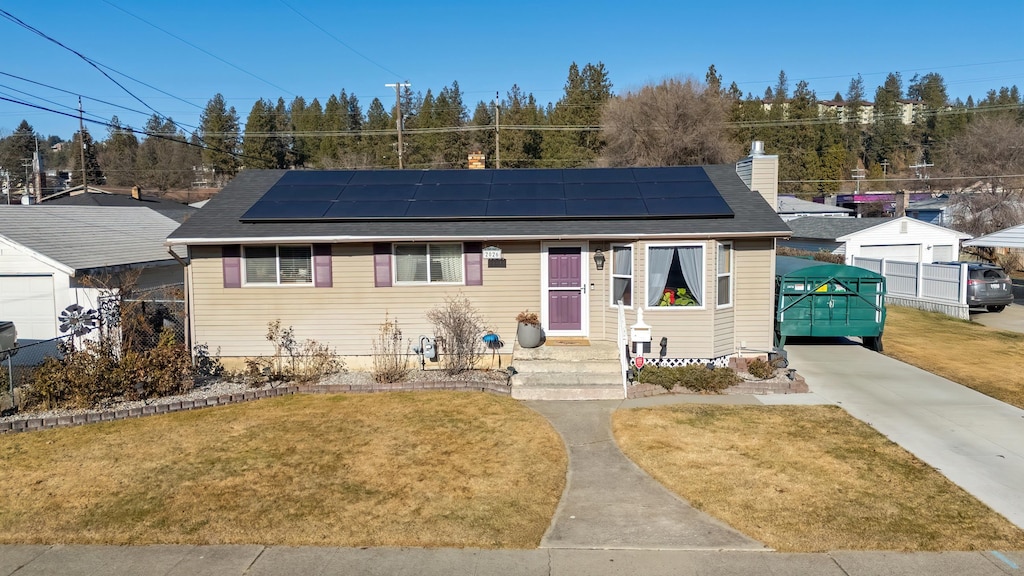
<point x="791" y="205"/>
<point x="822" y="228"/>
<point x="218" y="221"/>
<point x="89" y="237"/>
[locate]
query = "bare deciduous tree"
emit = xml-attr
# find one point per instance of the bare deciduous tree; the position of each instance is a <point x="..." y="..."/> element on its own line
<point x="676" y="122"/>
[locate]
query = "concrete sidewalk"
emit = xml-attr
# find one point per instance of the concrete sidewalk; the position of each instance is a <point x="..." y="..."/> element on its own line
<point x="274" y="561"/>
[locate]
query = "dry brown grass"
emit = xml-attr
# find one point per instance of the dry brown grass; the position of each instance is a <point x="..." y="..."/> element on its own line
<point x="807" y="479"/>
<point x="424" y="469"/>
<point x="976" y="356"/>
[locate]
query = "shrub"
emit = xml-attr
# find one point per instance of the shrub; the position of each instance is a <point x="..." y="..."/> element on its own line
<point x="760" y="368"/>
<point x="820" y="255"/>
<point x="305" y="362"/>
<point x="458" y="327"/>
<point x="695" y="377"/>
<point x="207" y="366"/>
<point x="390" y="362"/>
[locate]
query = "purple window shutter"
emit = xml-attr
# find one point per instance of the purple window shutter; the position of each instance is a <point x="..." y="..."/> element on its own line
<point x="474" y="263"/>
<point x="381" y="264"/>
<point x="231" y="258"/>
<point x="322" y="270"/>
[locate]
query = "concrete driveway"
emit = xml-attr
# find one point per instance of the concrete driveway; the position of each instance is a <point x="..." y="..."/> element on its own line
<point x="975" y="441"/>
<point x="1011" y="319"/>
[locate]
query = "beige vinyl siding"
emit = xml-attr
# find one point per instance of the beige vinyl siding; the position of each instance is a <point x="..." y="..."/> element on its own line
<point x="348" y="315"/>
<point x="754" y="294"/>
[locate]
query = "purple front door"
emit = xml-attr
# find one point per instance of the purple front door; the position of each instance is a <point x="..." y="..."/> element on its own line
<point x="565" y="289"/>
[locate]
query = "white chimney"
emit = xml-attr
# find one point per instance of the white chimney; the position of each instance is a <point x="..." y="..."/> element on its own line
<point x="760" y="172"/>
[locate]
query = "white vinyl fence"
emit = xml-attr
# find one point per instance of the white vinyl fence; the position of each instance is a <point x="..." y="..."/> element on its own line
<point x="935" y="287"/>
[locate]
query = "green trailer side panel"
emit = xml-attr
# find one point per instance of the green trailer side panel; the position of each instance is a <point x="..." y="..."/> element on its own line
<point x="822" y="299"/>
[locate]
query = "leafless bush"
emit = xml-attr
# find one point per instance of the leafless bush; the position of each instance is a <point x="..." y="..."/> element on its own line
<point x="676" y="122"/>
<point x="459" y="327"/>
<point x="306" y="361"/>
<point x="390" y="362"/>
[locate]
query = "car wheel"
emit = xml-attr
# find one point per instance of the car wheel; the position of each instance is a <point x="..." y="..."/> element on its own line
<point x="999" y="308"/>
<point x="873" y="343"/>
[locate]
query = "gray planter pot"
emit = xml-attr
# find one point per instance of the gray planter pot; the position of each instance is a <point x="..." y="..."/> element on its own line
<point x="529" y="336"/>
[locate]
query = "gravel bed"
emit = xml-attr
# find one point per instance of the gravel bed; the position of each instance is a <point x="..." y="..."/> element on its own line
<point x="222" y="387"/>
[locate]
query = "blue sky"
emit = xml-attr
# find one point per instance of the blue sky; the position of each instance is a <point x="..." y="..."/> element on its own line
<point x="275" y="51"/>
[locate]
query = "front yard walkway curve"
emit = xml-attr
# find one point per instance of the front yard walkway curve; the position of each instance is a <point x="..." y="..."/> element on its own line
<point x="609" y="502"/>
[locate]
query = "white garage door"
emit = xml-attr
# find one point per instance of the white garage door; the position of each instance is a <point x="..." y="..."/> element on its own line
<point x="28" y="302"/>
<point x="901" y="252"/>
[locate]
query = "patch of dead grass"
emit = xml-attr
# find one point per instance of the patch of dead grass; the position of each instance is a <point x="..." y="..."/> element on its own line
<point x="976" y="356"/>
<point x="424" y="469"/>
<point x="807" y="479"/>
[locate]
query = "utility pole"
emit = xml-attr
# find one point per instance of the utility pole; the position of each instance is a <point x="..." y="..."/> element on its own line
<point x="497" y="131"/>
<point x="81" y="140"/>
<point x="27" y="164"/>
<point x="858" y="175"/>
<point x="398" y="116"/>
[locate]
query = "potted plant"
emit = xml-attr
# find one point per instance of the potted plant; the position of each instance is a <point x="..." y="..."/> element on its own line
<point x="529" y="333"/>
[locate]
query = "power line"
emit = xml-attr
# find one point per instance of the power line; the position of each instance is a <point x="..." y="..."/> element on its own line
<point x="204" y="51"/>
<point x="339" y="41"/>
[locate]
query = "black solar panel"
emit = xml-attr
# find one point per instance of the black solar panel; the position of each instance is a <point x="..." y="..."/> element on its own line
<point x="684" y="192"/>
<point x="315" y="177"/>
<point x="527" y="176"/>
<point x="525" y="191"/>
<point x="303" y="193"/>
<point x="602" y="190"/>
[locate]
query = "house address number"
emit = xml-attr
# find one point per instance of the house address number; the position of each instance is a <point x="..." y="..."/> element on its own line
<point x="492" y="253"/>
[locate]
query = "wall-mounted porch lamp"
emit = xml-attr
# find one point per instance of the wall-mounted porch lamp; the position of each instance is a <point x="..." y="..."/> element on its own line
<point x="599" y="259"/>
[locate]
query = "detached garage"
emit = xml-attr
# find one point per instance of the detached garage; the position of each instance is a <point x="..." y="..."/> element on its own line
<point x="902" y="239"/>
<point x="45" y="251"/>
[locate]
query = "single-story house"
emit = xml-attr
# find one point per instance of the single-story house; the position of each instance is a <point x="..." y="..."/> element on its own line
<point x="904" y="239"/>
<point x="935" y="210"/>
<point x="46" y="251"/>
<point x="332" y="253"/>
<point x="93" y="196"/>
<point x="791" y="208"/>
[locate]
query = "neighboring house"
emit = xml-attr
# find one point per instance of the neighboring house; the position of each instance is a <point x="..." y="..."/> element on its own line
<point x="791" y="208"/>
<point x="45" y="251"/>
<point x="333" y="253"/>
<point x="935" y="210"/>
<point x="903" y="239"/>
<point x="98" y="197"/>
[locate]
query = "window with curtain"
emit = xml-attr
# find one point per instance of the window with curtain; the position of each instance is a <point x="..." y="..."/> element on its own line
<point x="622" y="275"/>
<point x="278" y="264"/>
<point x="675" y="276"/>
<point x="724" y="274"/>
<point x="428" y="263"/>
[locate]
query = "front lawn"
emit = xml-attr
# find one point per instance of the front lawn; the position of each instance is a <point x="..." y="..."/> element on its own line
<point x="976" y="356"/>
<point x="422" y="469"/>
<point x="807" y="479"/>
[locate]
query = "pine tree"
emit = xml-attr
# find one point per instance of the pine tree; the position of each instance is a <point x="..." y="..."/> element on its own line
<point x="377" y="147"/>
<point x="283" y="153"/>
<point x="118" y="155"/>
<point x="586" y="93"/>
<point x="521" y="148"/>
<point x="15" y="150"/>
<point x="887" y="135"/>
<point x="218" y="130"/>
<point x="165" y="159"/>
<point x="93" y="172"/>
<point x="258" y="140"/>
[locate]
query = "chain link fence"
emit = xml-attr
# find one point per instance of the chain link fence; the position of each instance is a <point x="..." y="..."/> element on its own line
<point x="136" y="323"/>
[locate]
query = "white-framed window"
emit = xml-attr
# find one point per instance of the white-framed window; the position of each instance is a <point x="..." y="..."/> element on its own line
<point x="675" y="276"/>
<point x="428" y="263"/>
<point x="725" y="266"/>
<point x="276" y="265"/>
<point x="622" y="274"/>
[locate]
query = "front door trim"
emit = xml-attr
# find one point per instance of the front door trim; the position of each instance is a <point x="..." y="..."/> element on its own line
<point x="584" y="247"/>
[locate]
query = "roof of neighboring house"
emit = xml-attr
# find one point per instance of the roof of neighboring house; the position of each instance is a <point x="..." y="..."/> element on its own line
<point x="78" y="238"/>
<point x="94" y="197"/>
<point x="794" y="205"/>
<point x="1012" y="237"/>
<point x="837" y="229"/>
<point x="938" y="203"/>
<point x="220" y="220"/>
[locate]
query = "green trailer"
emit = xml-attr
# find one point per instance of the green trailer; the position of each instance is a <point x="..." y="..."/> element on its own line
<point x="822" y="299"/>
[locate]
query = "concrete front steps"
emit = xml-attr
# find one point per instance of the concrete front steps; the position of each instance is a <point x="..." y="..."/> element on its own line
<point x="567" y="372"/>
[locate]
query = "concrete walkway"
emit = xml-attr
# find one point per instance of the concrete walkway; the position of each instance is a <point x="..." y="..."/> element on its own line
<point x="974" y="440"/>
<point x="610" y="503"/>
<point x="281" y="561"/>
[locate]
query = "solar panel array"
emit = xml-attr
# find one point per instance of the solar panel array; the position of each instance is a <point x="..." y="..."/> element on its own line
<point x="606" y="193"/>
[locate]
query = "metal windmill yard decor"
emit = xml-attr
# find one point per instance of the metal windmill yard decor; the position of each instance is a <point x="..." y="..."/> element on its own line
<point x="78" y="321"/>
